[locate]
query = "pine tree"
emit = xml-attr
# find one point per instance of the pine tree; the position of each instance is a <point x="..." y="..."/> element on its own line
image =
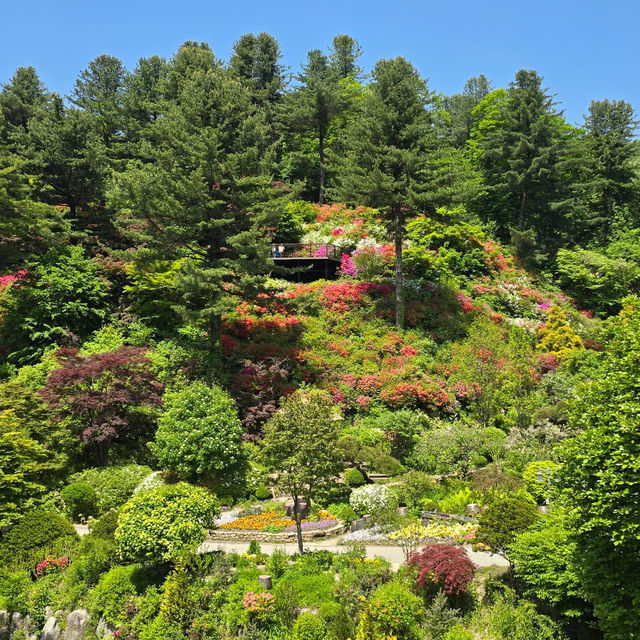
<point x="203" y="190"/>
<point x="520" y="151"/>
<point x="385" y="162"/>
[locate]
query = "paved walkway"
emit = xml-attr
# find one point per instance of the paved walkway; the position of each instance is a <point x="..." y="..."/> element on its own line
<point x="391" y="553"/>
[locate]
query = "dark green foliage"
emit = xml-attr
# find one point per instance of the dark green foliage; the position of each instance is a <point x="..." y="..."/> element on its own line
<point x="263" y="493"/>
<point x="37" y="534"/>
<point x="79" y="500"/>
<point x="503" y="520"/>
<point x="105" y="526"/>
<point x="116" y="591"/>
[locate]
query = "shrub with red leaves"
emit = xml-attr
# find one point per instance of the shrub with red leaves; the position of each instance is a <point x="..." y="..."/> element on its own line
<point x="444" y="566"/>
<point x="103" y="392"/>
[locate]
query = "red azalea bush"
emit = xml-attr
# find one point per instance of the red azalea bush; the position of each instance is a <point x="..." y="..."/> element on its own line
<point x="51" y="564"/>
<point x="445" y="566"/>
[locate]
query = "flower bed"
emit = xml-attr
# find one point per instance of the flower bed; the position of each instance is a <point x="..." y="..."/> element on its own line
<point x="247" y="535"/>
<point x="259" y="522"/>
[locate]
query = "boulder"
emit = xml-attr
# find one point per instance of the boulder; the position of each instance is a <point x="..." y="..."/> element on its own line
<point x="473" y="509"/>
<point x="5" y="623"/>
<point x="76" y="625"/>
<point x="104" y="629"/>
<point x="51" y="630"/>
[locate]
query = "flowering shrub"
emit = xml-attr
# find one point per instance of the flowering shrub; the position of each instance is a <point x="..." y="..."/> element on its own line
<point x="259" y="522"/>
<point x="259" y="605"/>
<point x="51" y="565"/>
<point x="443" y="566"/>
<point x="371" y="498"/>
<point x="440" y="531"/>
<point x="318" y="525"/>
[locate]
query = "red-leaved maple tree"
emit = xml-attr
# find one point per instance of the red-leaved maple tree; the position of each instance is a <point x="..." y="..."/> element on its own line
<point x="445" y="566"/>
<point x="103" y="394"/>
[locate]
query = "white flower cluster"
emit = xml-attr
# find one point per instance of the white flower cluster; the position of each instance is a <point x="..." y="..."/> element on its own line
<point x="371" y="498"/>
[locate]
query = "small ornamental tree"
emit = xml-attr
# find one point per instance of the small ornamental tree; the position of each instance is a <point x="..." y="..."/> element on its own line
<point x="557" y="336"/>
<point x="502" y="521"/>
<point x="157" y="525"/>
<point x="298" y="446"/>
<point x="443" y="566"/>
<point x="199" y="434"/>
<point x="103" y="395"/>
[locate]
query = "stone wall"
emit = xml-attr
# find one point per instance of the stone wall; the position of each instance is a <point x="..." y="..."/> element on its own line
<point x="246" y="535"/>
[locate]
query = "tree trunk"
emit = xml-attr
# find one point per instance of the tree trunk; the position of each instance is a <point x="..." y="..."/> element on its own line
<point x="523" y="201"/>
<point x="297" y="518"/>
<point x="397" y="215"/>
<point x="322" y="170"/>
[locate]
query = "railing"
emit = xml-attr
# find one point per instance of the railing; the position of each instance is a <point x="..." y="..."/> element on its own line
<point x="299" y="250"/>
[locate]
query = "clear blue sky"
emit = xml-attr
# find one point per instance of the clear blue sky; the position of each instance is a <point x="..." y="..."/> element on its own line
<point x="585" y="49"/>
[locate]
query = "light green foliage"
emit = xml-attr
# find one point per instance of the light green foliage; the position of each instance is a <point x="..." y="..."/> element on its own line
<point x="393" y="609"/>
<point x="344" y="512"/>
<point x="353" y="477"/>
<point x="199" y="434"/>
<point x="544" y="563"/>
<point x="295" y="444"/>
<point x="158" y="524"/>
<point x="93" y="556"/>
<point x="14" y="589"/>
<point x="511" y="619"/>
<point x="79" y="500"/>
<point x="538" y="489"/>
<point x="557" y="336"/>
<point x="65" y="293"/>
<point x="116" y="589"/>
<point x="598" y="281"/>
<point x="113" y="485"/>
<point x="600" y="482"/>
<point x="308" y="626"/>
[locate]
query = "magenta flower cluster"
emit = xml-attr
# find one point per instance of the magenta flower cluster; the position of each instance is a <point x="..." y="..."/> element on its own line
<point x="258" y="603"/>
<point x="314" y="526"/>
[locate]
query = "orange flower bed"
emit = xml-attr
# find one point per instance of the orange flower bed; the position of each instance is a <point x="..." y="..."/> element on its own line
<point x="259" y="521"/>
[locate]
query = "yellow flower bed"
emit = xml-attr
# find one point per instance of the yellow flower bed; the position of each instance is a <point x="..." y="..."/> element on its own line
<point x="435" y="530"/>
<point x="259" y="521"/>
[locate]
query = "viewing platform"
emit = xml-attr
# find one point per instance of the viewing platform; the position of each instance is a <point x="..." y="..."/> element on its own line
<point x="308" y="262"/>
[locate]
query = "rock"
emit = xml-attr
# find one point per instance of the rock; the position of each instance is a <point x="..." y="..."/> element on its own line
<point x="76" y="625"/>
<point x="402" y="511"/>
<point x="48" y="613"/>
<point x="543" y="508"/>
<point x="51" y="630"/>
<point x="265" y="581"/>
<point x="303" y="509"/>
<point x="5" y="622"/>
<point x="17" y="621"/>
<point x="4" y="633"/>
<point x="104" y="629"/>
<point x="473" y="509"/>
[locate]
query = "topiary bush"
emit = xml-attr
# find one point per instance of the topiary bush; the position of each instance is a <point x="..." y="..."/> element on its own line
<point x="79" y="500"/>
<point x="37" y="534"/>
<point x="393" y="610"/>
<point x="199" y="434"/>
<point x="387" y="465"/>
<point x="309" y="627"/>
<point x="503" y="520"/>
<point x="113" y="485"/>
<point x="263" y="493"/>
<point x="353" y="477"/>
<point x="157" y="525"/>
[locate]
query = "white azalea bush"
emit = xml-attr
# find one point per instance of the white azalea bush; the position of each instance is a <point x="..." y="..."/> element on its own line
<point x="371" y="498"/>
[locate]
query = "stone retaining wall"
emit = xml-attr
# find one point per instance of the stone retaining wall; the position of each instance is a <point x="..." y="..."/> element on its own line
<point x="247" y="535"/>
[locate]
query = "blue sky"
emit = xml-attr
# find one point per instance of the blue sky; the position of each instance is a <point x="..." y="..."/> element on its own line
<point x="585" y="50"/>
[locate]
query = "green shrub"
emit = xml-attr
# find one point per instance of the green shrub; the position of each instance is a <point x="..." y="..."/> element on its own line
<point x="458" y="632"/>
<point x="34" y="537"/>
<point x="343" y="512"/>
<point x="349" y="448"/>
<point x="160" y="628"/>
<point x="199" y="434"/>
<point x="115" y="592"/>
<point x="539" y="489"/>
<point x="309" y="627"/>
<point x="353" y="477"/>
<point x="503" y="520"/>
<point x="91" y="559"/>
<point x="105" y="526"/>
<point x="79" y="500"/>
<point x="157" y="525"/>
<point x="393" y="609"/>
<point x="277" y="563"/>
<point x="14" y="590"/>
<point x="113" y="485"/>
<point x="263" y="493"/>
<point x="387" y="465"/>
<point x="414" y="486"/>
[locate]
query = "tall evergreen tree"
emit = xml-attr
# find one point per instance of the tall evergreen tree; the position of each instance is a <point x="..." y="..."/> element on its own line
<point x="256" y="59"/>
<point x="385" y="161"/>
<point x="202" y="192"/>
<point x="460" y="108"/>
<point x="609" y="171"/>
<point x="520" y="154"/>
<point x="344" y="54"/>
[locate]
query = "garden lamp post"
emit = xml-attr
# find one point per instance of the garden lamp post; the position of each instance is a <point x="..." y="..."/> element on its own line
<point x="540" y="477"/>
